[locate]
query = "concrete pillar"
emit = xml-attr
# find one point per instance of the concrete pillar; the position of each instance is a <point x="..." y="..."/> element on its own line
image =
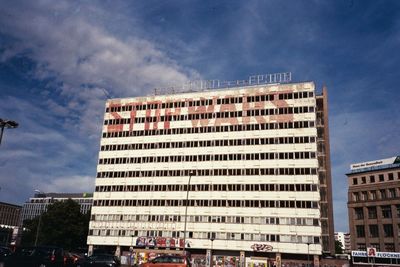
<point x="90" y="250"/>
<point x="118" y="251"/>
<point x="316" y="261"/>
<point x="242" y="259"/>
<point x="278" y="260"/>
<point x="208" y="258"/>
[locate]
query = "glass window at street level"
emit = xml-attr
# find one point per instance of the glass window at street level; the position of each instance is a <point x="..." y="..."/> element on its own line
<point x="372" y="214"/>
<point x="388" y="230"/>
<point x="359" y="214"/>
<point x="386" y="212"/>
<point x="373" y="230"/>
<point x="360" y="231"/>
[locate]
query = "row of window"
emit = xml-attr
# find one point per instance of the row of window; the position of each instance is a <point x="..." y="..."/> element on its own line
<point x="389" y="247"/>
<point x="373" y="230"/>
<point x="212" y="115"/>
<point x="212" y="143"/>
<point x="372" y="212"/>
<point x="207" y="102"/>
<point x="206" y="235"/>
<point x="208" y="187"/>
<point x="213" y="129"/>
<point x="208" y="157"/>
<point x="302" y="204"/>
<point x="387" y="193"/>
<point x="204" y="219"/>
<point x="208" y="172"/>
<point x="373" y="178"/>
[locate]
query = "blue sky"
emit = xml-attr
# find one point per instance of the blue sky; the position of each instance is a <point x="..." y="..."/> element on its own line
<point x="60" y="59"/>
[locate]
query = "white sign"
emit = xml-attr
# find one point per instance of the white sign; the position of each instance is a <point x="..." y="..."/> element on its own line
<point x="364" y="254"/>
<point x="375" y="163"/>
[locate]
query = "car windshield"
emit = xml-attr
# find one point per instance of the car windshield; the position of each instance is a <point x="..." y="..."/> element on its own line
<point x="169" y="259"/>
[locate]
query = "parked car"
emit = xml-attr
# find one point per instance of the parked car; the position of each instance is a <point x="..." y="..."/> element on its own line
<point x="99" y="260"/>
<point x="168" y="261"/>
<point x="45" y="256"/>
<point x="4" y="252"/>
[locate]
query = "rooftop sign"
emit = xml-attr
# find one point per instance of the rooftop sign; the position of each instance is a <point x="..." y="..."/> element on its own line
<point x="375" y="163"/>
<point x="201" y="85"/>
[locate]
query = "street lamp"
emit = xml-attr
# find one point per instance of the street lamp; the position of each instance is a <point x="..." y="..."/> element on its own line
<point x="6" y="124"/>
<point x="40" y="219"/>
<point x="186" y="208"/>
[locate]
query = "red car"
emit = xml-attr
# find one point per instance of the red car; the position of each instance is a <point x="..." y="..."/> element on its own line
<point x="168" y="261"/>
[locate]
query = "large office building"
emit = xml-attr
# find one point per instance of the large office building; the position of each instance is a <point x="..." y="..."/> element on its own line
<point x="9" y="220"/>
<point x="344" y="239"/>
<point x="240" y="172"/>
<point x="374" y="205"/>
<point x="39" y="203"/>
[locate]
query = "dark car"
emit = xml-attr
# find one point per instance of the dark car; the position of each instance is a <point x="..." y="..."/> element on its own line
<point x="99" y="260"/>
<point x="46" y="256"/>
<point x="4" y="252"/>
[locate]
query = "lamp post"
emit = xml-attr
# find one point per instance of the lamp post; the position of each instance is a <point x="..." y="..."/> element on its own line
<point x="186" y="208"/>
<point x="40" y="220"/>
<point x="6" y="124"/>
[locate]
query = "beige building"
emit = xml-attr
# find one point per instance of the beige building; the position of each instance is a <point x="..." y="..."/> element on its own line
<point x="374" y="205"/>
<point x="242" y="172"/>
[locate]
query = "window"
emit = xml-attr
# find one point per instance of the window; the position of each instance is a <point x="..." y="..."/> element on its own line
<point x="355" y="181"/>
<point x="381" y="178"/>
<point x="360" y="231"/>
<point x="398" y="212"/>
<point x="373" y="195"/>
<point x="359" y="213"/>
<point x="388" y="230"/>
<point x="389" y="247"/>
<point x="373" y="230"/>
<point x="383" y="193"/>
<point x="372" y="179"/>
<point x="363" y="180"/>
<point x="390" y="176"/>
<point x="386" y="212"/>
<point x="391" y="192"/>
<point x="372" y="214"/>
<point x="356" y="196"/>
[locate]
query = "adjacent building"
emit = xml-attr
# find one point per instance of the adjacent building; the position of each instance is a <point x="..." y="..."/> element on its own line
<point x="374" y="205"/>
<point x="344" y="239"/>
<point x="9" y="220"/>
<point x="38" y="204"/>
<point x="241" y="173"/>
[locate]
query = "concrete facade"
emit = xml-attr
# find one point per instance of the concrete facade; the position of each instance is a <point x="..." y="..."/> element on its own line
<point x="38" y="204"/>
<point x="374" y="205"/>
<point x="241" y="163"/>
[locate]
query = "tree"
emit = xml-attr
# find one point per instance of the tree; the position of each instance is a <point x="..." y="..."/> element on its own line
<point x="62" y="224"/>
<point x="338" y="247"/>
